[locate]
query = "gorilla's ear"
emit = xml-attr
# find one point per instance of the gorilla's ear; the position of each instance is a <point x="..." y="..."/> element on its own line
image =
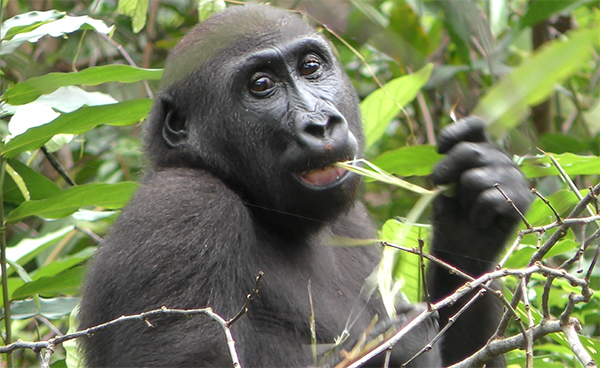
<point x="174" y="129"/>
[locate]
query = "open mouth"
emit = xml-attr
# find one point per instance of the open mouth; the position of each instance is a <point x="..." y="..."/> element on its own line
<point x="324" y="177"/>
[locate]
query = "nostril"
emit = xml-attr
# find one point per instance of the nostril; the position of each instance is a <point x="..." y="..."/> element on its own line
<point x="316" y="130"/>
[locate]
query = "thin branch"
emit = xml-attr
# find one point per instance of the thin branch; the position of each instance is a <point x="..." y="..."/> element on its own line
<point x="453" y="298"/>
<point x="514" y="206"/>
<point x="451" y="321"/>
<point x="502" y="346"/>
<point x="540" y="196"/>
<point x="570" y="331"/>
<point x="57" y="166"/>
<point x="531" y="324"/>
<point x="249" y="298"/>
<point x="423" y="275"/>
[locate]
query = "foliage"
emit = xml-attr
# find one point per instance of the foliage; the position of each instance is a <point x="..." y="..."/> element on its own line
<point x="77" y="82"/>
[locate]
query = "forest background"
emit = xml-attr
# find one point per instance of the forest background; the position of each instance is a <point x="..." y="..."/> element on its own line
<point x="77" y="81"/>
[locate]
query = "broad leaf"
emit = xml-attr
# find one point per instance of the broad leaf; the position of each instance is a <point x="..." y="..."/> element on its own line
<point x="103" y="195"/>
<point x="28" y="248"/>
<point x="78" y="122"/>
<point x="136" y="9"/>
<point x="409" y="161"/>
<point x="505" y="104"/>
<point x="33" y="88"/>
<point x="54" y="28"/>
<point x="67" y="282"/>
<point x="535" y="167"/>
<point x="48" y="308"/>
<point x="381" y="106"/>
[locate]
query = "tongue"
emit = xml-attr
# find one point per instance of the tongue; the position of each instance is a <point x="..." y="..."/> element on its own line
<point x="323" y="176"/>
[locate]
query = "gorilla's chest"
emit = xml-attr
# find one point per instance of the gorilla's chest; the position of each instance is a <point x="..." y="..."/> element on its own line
<point x="305" y="285"/>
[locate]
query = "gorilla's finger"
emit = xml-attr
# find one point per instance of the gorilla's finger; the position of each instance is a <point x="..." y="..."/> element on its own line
<point x="469" y="129"/>
<point x="465" y="156"/>
<point x="474" y="181"/>
<point x="491" y="205"/>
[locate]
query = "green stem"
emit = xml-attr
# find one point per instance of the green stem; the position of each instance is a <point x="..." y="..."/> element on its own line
<point x="5" y="299"/>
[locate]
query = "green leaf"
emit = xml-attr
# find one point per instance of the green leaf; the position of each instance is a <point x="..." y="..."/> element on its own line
<point x="58" y="266"/>
<point x="33" y="88"/>
<point x="406" y="266"/>
<point x="38" y="186"/>
<point x="206" y="8"/>
<point x="539" y="166"/>
<point x="74" y="358"/>
<point x="19" y="182"/>
<point x="409" y="161"/>
<point x="71" y="199"/>
<point x="538" y="11"/>
<point x="136" y="9"/>
<point x="49" y="308"/>
<point x="67" y="282"/>
<point x="505" y="104"/>
<point x="78" y="122"/>
<point x="381" y="106"/>
<point x="563" y="202"/>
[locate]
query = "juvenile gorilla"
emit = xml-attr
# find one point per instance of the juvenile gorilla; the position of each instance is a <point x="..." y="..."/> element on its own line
<point x="253" y="112"/>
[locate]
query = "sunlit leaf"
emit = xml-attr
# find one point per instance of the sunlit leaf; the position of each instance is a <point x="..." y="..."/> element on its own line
<point x="54" y="28"/>
<point x="206" y="8"/>
<point x="71" y="98"/>
<point x="19" y="182"/>
<point x="28" y="248"/>
<point x="136" y="9"/>
<point x="381" y="106"/>
<point x="27" y="21"/>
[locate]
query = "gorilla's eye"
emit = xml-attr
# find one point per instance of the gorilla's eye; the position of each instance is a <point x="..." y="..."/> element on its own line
<point x="310" y="65"/>
<point x="261" y="85"/>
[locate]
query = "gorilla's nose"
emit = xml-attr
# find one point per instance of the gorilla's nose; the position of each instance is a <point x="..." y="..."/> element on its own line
<point x="321" y="130"/>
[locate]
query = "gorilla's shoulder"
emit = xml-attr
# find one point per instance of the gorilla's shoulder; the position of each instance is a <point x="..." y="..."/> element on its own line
<point x="198" y="196"/>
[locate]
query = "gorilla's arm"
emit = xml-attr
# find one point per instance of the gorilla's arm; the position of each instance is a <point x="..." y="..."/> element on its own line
<point x="471" y="225"/>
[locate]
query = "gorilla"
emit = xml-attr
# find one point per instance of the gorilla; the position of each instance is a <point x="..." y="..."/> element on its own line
<point x="253" y="112"/>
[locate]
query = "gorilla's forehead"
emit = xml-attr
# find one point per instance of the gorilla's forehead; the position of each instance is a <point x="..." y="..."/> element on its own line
<point x="236" y="33"/>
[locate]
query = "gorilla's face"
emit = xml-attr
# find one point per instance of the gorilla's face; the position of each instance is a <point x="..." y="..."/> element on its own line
<point x="268" y="109"/>
<point x="290" y="92"/>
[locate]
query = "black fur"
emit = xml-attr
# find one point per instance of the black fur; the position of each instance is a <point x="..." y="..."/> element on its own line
<point x="224" y="199"/>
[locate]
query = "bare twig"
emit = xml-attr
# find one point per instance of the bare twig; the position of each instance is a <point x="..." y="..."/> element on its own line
<point x="570" y="330"/>
<point x="423" y="276"/>
<point x="57" y="166"/>
<point x="514" y="206"/>
<point x="44" y="357"/>
<point x="531" y="324"/>
<point x="556" y="215"/>
<point x="249" y="298"/>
